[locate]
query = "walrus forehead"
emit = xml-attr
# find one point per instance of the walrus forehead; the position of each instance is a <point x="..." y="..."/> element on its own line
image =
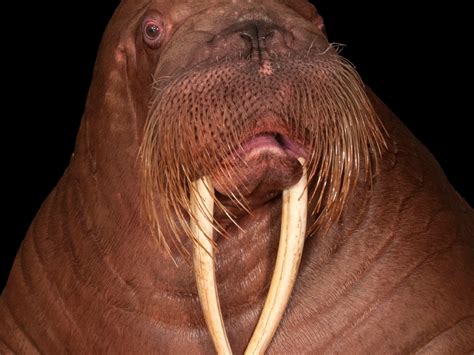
<point x="178" y="11"/>
<point x="300" y="5"/>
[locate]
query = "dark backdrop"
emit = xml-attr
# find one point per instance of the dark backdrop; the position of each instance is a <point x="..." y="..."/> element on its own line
<point x="413" y="58"/>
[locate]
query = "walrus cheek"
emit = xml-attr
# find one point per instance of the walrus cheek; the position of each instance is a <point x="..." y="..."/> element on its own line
<point x="293" y="230"/>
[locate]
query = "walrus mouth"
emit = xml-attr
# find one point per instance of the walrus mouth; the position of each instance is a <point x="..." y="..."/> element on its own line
<point x="272" y="138"/>
<point x="259" y="169"/>
<point x="290" y="250"/>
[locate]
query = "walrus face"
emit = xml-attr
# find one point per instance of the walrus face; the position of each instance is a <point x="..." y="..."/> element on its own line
<point x="252" y="114"/>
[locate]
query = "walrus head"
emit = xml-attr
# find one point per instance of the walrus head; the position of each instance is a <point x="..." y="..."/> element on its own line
<point x="214" y="130"/>
<point x="249" y="105"/>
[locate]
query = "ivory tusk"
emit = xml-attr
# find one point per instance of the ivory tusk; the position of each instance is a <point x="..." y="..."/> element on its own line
<point x="202" y="210"/>
<point x="290" y="250"/>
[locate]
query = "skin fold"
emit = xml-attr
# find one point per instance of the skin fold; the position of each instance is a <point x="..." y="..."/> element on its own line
<point x="390" y="272"/>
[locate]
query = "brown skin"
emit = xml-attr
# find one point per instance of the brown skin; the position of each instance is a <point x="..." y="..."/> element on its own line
<point x="393" y="275"/>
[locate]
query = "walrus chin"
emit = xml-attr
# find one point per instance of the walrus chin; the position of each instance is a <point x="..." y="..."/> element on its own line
<point x="314" y="107"/>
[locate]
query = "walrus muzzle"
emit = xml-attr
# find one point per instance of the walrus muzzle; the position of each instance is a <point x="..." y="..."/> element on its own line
<point x="316" y="102"/>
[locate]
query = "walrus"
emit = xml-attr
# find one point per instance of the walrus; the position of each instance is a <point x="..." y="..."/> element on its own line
<point x="236" y="188"/>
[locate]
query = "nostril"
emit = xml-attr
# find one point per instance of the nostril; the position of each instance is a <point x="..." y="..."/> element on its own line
<point x="246" y="36"/>
<point x="258" y="38"/>
<point x="250" y="37"/>
<point x="268" y="35"/>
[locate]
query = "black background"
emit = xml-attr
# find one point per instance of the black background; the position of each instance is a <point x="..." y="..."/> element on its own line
<point x="414" y="58"/>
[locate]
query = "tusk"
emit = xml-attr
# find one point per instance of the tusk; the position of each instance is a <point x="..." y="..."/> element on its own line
<point x="290" y="250"/>
<point x="202" y="210"/>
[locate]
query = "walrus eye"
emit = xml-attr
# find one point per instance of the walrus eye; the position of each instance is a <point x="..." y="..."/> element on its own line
<point x="152" y="33"/>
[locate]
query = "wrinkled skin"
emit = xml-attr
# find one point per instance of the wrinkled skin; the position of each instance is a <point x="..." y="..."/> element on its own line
<point x="394" y="274"/>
